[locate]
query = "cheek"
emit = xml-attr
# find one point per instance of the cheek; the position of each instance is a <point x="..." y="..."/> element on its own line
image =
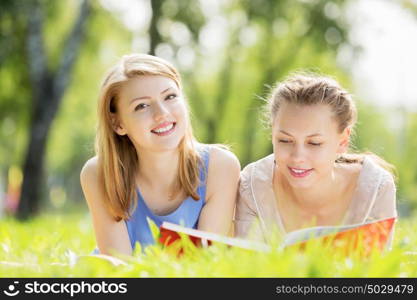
<point x="282" y="153"/>
<point x="140" y="123"/>
<point x="180" y="113"/>
<point x="324" y="159"/>
<point x="330" y="151"/>
<point x="179" y="110"/>
<point x="140" y="119"/>
<point x="321" y="154"/>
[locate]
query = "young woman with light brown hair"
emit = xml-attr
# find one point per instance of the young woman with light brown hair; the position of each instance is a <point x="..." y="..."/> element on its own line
<point x="311" y="179"/>
<point x="148" y="163"/>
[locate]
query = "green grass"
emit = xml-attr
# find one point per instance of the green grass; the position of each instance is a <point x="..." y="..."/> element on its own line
<point x="46" y="247"/>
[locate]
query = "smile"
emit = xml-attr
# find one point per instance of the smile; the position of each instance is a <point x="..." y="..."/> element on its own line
<point x="164" y="129"/>
<point x="299" y="173"/>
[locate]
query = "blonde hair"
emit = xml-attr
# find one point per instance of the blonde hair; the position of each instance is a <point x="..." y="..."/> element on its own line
<point x="311" y="89"/>
<point x="118" y="161"/>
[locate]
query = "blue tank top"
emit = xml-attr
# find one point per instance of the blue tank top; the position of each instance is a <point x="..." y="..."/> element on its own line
<point x="187" y="214"/>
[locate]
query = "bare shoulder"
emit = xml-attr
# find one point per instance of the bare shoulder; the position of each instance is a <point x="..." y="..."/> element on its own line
<point x="89" y="178"/>
<point x="93" y="190"/>
<point x="89" y="170"/>
<point x="223" y="160"/>
<point x="223" y="171"/>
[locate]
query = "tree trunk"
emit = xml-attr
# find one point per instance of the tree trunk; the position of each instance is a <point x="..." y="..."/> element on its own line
<point x="33" y="169"/>
<point x="154" y="36"/>
<point x="48" y="89"/>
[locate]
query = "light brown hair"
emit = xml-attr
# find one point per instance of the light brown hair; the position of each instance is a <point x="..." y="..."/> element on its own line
<point x="117" y="157"/>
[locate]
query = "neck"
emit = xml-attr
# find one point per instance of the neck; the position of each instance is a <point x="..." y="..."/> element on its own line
<point x="159" y="168"/>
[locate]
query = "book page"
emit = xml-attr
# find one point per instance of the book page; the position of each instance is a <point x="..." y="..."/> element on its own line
<point x="213" y="237"/>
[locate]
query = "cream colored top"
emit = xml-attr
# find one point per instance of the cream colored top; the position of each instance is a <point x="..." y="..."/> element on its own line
<point x="257" y="212"/>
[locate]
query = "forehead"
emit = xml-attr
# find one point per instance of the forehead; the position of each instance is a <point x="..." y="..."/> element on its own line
<point x="304" y="120"/>
<point x="146" y="85"/>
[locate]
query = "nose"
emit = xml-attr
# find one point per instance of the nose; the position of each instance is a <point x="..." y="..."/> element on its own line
<point x="160" y="112"/>
<point x="298" y="154"/>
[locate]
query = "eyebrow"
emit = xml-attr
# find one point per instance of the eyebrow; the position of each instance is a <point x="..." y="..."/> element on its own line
<point x="147" y="97"/>
<point x="311" y="135"/>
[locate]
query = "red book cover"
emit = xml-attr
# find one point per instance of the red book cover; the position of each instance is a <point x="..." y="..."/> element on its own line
<point x="363" y="238"/>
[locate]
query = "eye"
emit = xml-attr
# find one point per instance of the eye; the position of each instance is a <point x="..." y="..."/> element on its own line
<point x="284" y="141"/>
<point x="171" y="97"/>
<point x="140" y="106"/>
<point x="315" y="144"/>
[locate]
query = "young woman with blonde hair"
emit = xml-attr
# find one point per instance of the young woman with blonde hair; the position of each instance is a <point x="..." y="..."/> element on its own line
<point x="311" y="179"/>
<point x="148" y="163"/>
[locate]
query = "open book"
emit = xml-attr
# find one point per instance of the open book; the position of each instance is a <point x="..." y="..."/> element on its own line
<point x="369" y="235"/>
<point x="170" y="233"/>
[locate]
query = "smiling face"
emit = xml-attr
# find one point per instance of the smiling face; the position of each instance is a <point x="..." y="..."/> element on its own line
<point x="306" y="143"/>
<point x="152" y="112"/>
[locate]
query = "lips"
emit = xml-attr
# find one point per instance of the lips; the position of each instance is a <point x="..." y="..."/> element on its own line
<point x="162" y="125"/>
<point x="299" y="173"/>
<point x="164" y="128"/>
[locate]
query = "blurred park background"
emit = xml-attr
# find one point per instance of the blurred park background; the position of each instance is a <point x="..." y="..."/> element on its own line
<point x="53" y="55"/>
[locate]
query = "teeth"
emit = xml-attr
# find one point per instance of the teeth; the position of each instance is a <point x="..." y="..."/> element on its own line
<point x="298" y="171"/>
<point x="164" y="129"/>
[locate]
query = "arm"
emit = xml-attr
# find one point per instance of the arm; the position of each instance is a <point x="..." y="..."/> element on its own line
<point x="385" y="201"/>
<point x="222" y="182"/>
<point x="111" y="236"/>
<point x="385" y="204"/>
<point x="246" y="219"/>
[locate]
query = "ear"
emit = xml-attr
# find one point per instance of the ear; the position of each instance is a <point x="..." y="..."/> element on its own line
<point x="344" y="140"/>
<point x="117" y="125"/>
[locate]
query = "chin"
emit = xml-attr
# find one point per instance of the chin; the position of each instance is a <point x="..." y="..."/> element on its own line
<point x="300" y="183"/>
<point x="168" y="145"/>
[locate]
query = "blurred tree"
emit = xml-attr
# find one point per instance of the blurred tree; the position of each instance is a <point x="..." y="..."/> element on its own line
<point x="13" y="73"/>
<point x="47" y="84"/>
<point x="154" y="35"/>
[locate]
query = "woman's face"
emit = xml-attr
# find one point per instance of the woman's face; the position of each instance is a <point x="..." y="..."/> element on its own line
<point x="306" y="143"/>
<point x="152" y="112"/>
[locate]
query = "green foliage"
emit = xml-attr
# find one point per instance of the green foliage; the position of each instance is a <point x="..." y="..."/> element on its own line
<point x="14" y="85"/>
<point x="407" y="144"/>
<point x="33" y="250"/>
